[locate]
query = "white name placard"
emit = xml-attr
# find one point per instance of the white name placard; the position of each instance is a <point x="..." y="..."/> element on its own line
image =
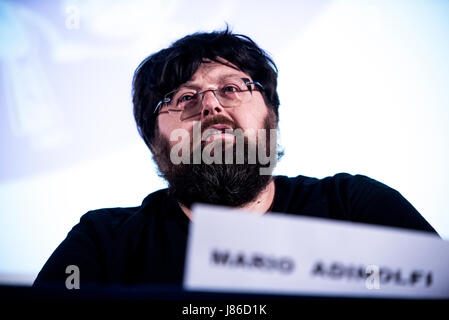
<point x="234" y="251"/>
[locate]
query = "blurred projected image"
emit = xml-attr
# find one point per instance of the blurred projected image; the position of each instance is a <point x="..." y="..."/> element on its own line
<point x="31" y="113"/>
<point x="54" y="55"/>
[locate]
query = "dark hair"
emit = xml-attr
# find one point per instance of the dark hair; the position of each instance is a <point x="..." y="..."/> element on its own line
<point x="167" y="69"/>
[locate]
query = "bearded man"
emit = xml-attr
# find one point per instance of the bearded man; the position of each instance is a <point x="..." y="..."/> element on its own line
<point x="207" y="108"/>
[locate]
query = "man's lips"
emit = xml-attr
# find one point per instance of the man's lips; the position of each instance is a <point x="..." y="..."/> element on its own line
<point x="217" y="130"/>
<point x="221" y="127"/>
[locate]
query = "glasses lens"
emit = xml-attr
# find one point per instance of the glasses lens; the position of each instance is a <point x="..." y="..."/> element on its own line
<point x="189" y="103"/>
<point x="231" y="93"/>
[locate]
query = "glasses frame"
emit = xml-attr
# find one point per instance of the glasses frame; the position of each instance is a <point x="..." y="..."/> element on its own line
<point x="167" y="99"/>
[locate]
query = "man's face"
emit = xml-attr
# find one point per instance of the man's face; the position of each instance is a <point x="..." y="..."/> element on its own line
<point x="249" y="115"/>
<point x="217" y="183"/>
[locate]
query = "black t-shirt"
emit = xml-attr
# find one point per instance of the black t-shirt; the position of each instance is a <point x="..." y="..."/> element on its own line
<point x="146" y="244"/>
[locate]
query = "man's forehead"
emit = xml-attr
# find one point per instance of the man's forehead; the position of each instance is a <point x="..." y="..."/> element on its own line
<point x="214" y="72"/>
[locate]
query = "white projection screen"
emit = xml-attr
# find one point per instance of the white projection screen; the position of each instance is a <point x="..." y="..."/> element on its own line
<point x="363" y="88"/>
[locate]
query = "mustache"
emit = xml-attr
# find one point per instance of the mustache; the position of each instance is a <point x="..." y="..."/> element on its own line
<point x="219" y="119"/>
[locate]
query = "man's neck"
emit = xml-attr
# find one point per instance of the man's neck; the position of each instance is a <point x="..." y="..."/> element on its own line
<point x="260" y="205"/>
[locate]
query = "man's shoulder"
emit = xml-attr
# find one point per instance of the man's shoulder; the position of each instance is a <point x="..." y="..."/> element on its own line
<point x="341" y="179"/>
<point x="356" y="181"/>
<point x="114" y="217"/>
<point x="339" y="188"/>
<point x="358" y="198"/>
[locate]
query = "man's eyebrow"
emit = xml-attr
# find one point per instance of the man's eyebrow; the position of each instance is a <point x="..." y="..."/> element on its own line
<point x="192" y="84"/>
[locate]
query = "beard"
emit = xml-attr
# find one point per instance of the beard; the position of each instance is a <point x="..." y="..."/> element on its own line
<point x="228" y="184"/>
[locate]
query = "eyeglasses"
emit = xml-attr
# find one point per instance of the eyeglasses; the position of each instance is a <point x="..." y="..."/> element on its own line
<point x="188" y="103"/>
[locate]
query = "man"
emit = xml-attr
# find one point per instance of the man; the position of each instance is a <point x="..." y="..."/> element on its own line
<point x="207" y="108"/>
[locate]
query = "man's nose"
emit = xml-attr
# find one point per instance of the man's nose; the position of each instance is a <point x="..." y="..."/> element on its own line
<point x="210" y="104"/>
